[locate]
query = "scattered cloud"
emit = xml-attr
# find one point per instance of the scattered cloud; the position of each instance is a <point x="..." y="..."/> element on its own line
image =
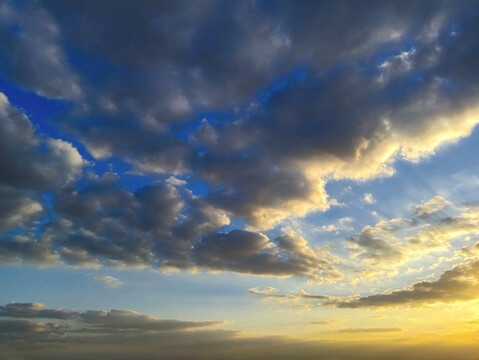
<point x="458" y="284"/>
<point x="369" y="198"/>
<point x="108" y="281"/>
<point x="281" y="117"/>
<point x="435" y="205"/>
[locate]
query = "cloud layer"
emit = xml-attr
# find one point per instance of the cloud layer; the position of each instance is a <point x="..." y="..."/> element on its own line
<point x="32" y="331"/>
<point x="257" y="103"/>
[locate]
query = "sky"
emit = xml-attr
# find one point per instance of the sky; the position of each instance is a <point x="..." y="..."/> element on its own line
<point x="239" y="179"/>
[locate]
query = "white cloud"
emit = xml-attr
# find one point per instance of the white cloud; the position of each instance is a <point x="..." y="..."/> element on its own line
<point x="108" y="281"/>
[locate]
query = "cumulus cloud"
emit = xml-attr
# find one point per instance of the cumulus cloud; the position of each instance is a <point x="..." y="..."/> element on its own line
<point x="272" y="160"/>
<point x="435" y="205"/>
<point x="247" y="252"/>
<point x="31" y="52"/>
<point x="30" y="160"/>
<point x="288" y="114"/>
<point x="18" y="208"/>
<point x="170" y="228"/>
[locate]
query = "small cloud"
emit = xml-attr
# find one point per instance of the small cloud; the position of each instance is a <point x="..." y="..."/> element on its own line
<point x="324" y="322"/>
<point x="433" y="206"/>
<point x="370" y="330"/>
<point x="175" y="181"/>
<point x="369" y="199"/>
<point x="415" y="270"/>
<point x="109" y="281"/>
<point x="327" y="228"/>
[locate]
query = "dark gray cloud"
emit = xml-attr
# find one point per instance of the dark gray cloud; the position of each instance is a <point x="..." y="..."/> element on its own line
<point x="18" y="208"/>
<point x="160" y="226"/>
<point x="96" y="328"/>
<point x="35" y="310"/>
<point x="248" y="252"/>
<point x="300" y="94"/>
<point x="91" y="320"/>
<point x="31" y="51"/>
<point x="121" y="320"/>
<point x="29" y="160"/>
<point x="24" y="249"/>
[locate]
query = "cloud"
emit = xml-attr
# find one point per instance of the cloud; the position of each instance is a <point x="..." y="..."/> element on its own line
<point x="35" y="310"/>
<point x="18" y="208"/>
<point x="435" y="205"/>
<point x="272" y="157"/>
<point x="93" y="320"/>
<point x="32" y="54"/>
<point x="160" y="226"/>
<point x="247" y="252"/>
<point x="369" y="199"/>
<point x="375" y="243"/>
<point x="45" y="164"/>
<point x="271" y="292"/>
<point x="283" y="116"/>
<point x="391" y="243"/>
<point x="108" y="281"/>
<point x="458" y="284"/>
<point x="126" y="334"/>
<point x="370" y="330"/>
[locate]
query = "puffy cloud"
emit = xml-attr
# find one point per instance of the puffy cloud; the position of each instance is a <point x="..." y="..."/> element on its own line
<point x="22" y="249"/>
<point x="273" y="159"/>
<point x="435" y="205"/>
<point x="31" y="52"/>
<point x="247" y="252"/>
<point x="278" y="131"/>
<point x="31" y="160"/>
<point x="18" y="208"/>
<point x="97" y="226"/>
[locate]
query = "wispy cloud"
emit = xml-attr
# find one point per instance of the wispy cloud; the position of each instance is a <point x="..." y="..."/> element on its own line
<point x="108" y="281"/>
